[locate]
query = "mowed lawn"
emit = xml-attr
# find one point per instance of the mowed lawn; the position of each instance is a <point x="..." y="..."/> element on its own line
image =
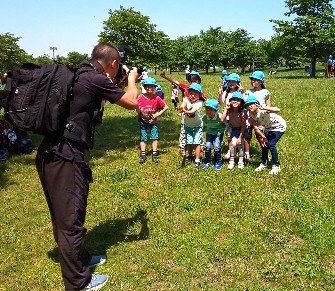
<point x="170" y="227"/>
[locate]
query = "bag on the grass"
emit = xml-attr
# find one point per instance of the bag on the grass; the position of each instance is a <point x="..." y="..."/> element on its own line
<point x="39" y="97"/>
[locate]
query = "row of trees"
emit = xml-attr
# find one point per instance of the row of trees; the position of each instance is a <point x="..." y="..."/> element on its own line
<point x="309" y="37"/>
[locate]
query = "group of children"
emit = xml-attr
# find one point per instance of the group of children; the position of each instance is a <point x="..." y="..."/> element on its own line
<point x="243" y="111"/>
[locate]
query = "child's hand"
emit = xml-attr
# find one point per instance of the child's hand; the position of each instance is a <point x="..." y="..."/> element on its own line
<point x="240" y="88"/>
<point x="220" y="91"/>
<point x="263" y="141"/>
<point x="162" y="74"/>
<point x="238" y="141"/>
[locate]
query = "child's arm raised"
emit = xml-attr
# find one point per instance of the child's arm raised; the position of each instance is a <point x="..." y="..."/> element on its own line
<point x="225" y="113"/>
<point x="162" y="74"/>
<point x="269" y="109"/>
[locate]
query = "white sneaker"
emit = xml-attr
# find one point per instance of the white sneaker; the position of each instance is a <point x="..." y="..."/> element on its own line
<point x="231" y="165"/>
<point x="240" y="165"/>
<point x="261" y="167"/>
<point x="275" y="170"/>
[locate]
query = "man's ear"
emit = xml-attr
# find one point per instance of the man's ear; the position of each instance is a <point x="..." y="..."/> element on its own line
<point x="114" y="63"/>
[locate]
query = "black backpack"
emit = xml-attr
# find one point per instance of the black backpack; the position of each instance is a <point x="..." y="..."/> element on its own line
<point x="39" y="97"/>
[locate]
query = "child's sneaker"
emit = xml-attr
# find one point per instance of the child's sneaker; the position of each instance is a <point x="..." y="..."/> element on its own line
<point x="217" y="166"/>
<point x="231" y="165"/>
<point x="247" y="157"/>
<point x="154" y="158"/>
<point x="240" y="165"/>
<point x="206" y="166"/>
<point x="275" y="170"/>
<point x="142" y="159"/>
<point x="261" y="167"/>
<point x="197" y="165"/>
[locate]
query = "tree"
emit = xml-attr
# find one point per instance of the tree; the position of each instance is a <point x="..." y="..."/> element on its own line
<point x="131" y="28"/>
<point x="11" y="54"/>
<point x="311" y="33"/>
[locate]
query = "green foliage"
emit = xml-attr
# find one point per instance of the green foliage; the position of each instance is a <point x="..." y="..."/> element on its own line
<point x="165" y="226"/>
<point x="11" y="54"/>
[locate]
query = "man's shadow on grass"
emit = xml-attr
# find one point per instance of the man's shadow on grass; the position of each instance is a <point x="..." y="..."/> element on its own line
<point x="111" y="232"/>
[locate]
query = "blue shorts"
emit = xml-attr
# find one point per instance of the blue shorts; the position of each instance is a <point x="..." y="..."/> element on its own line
<point x="193" y="134"/>
<point x="144" y="127"/>
<point x="235" y="132"/>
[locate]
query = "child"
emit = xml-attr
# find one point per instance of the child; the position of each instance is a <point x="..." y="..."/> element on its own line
<point x="159" y="92"/>
<point x="234" y="85"/>
<point x="193" y="78"/>
<point x="174" y="95"/>
<point x="274" y="127"/>
<point x="224" y="76"/>
<point x="142" y="77"/>
<point x="237" y="121"/>
<point x="150" y="107"/>
<point x="214" y="134"/>
<point x="191" y="107"/>
<point x="263" y="96"/>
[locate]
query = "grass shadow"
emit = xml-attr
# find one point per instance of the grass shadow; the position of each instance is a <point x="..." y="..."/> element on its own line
<point x="111" y="232"/>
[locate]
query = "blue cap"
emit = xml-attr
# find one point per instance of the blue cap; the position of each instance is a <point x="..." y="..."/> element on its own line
<point x="193" y="73"/>
<point x="159" y="88"/>
<point x="195" y="87"/>
<point x="149" y="81"/>
<point x="224" y="72"/>
<point x="145" y="68"/>
<point x="330" y="57"/>
<point x="251" y="99"/>
<point x="237" y="95"/>
<point x="212" y="103"/>
<point x="234" y="77"/>
<point x="258" y="75"/>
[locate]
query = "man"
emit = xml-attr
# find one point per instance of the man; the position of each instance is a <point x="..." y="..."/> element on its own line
<point x="62" y="164"/>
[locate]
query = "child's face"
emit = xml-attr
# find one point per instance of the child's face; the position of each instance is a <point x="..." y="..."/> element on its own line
<point x="255" y="83"/>
<point x="149" y="88"/>
<point x="232" y="84"/>
<point x="193" y="95"/>
<point x="194" y="79"/>
<point x="253" y="107"/>
<point x="210" y="112"/>
<point x="235" y="102"/>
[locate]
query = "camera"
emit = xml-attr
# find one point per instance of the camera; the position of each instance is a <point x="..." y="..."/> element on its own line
<point x="121" y="76"/>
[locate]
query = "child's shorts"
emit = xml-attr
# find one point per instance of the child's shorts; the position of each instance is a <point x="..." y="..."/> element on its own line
<point x="235" y="132"/>
<point x="193" y="134"/>
<point x="144" y="127"/>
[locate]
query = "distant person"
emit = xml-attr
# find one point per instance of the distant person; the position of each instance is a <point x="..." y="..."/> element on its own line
<point x="142" y="77"/>
<point x="274" y="127"/>
<point x="62" y="163"/>
<point x="214" y="134"/>
<point x="150" y="107"/>
<point x="193" y="78"/>
<point x="187" y="71"/>
<point x="237" y="127"/>
<point x="258" y="90"/>
<point x="224" y="82"/>
<point x="329" y="66"/>
<point x="191" y="108"/>
<point x="174" y="95"/>
<point x="159" y="92"/>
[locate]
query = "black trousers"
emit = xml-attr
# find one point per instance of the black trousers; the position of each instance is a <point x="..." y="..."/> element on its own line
<point x="66" y="191"/>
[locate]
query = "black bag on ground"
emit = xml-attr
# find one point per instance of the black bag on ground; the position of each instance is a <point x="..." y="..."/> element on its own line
<point x="40" y="96"/>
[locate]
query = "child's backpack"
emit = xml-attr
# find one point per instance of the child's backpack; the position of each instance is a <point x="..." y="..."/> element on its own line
<point x="39" y="97"/>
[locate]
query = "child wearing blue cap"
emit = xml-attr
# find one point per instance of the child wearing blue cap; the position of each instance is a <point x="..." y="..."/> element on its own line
<point x="274" y="127"/>
<point x="150" y="107"/>
<point x="237" y="122"/>
<point x="159" y="92"/>
<point x="191" y="108"/>
<point x="258" y="90"/>
<point x="214" y="134"/>
<point x="234" y="85"/>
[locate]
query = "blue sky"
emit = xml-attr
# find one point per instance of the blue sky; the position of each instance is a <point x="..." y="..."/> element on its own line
<point x="74" y="25"/>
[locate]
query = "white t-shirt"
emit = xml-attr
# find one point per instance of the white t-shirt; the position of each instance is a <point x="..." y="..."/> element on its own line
<point x="270" y="121"/>
<point x="195" y="119"/>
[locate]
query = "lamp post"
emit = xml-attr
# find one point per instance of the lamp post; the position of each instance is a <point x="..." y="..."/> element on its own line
<point x="53" y="48"/>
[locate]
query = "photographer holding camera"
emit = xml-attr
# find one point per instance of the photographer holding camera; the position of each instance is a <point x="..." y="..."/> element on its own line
<point x="63" y="163"/>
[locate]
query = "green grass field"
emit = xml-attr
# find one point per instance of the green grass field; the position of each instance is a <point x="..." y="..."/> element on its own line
<point x="169" y="227"/>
